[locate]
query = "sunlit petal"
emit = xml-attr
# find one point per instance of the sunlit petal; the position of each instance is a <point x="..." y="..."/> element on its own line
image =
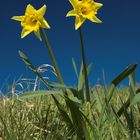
<point x="95" y="19"/>
<point x="30" y="9"/>
<point x="78" y="22"/>
<point x="98" y="5"/>
<point x="25" y="32"/>
<point x="73" y="2"/>
<point x="37" y="33"/>
<point x="41" y="11"/>
<point x="71" y="13"/>
<point x="18" y="18"/>
<point x="44" y="24"/>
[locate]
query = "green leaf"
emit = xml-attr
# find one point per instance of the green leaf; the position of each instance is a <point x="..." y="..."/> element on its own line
<point x="73" y="91"/>
<point x="81" y="80"/>
<point x="73" y="99"/>
<point x="29" y="64"/>
<point x="64" y="115"/>
<point x="135" y="99"/>
<point x="130" y="69"/>
<point x="58" y="85"/>
<point x="75" y="67"/>
<point x="132" y="85"/>
<point x="89" y="68"/>
<point x="81" y="128"/>
<point x="124" y="74"/>
<point x="32" y="94"/>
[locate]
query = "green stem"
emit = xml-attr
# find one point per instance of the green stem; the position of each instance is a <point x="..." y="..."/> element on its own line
<point x="84" y="65"/>
<point x="52" y="56"/>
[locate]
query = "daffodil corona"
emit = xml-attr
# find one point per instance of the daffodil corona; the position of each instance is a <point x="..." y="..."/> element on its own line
<point x="84" y="9"/>
<point x="32" y="21"/>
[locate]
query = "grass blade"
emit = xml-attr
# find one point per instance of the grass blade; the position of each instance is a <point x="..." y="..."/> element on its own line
<point x="32" y="94"/>
<point x="130" y="69"/>
<point x="29" y="64"/>
<point x="75" y="67"/>
<point x="135" y="99"/>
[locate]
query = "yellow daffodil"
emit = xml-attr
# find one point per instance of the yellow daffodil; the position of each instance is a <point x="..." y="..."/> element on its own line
<point x="32" y="21"/>
<point x="84" y="9"/>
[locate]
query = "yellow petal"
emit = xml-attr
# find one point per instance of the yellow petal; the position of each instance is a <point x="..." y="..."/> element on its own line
<point x="30" y="9"/>
<point x="71" y="13"/>
<point x="41" y="11"/>
<point x="78" y="22"/>
<point x="18" y="18"/>
<point x="73" y="3"/>
<point x="44" y="24"/>
<point x="87" y="1"/>
<point x="25" y="32"/>
<point x="37" y="33"/>
<point x="94" y="19"/>
<point x="98" y="5"/>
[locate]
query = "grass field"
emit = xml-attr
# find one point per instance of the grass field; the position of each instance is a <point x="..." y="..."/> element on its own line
<point x="50" y="115"/>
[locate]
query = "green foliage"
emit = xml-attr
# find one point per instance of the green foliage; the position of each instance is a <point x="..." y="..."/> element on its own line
<point x="135" y="100"/>
<point x="105" y="117"/>
<point x="52" y="115"/>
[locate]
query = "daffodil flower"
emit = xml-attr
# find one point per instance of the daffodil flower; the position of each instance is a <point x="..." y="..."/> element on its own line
<point x="84" y="9"/>
<point x="32" y="21"/>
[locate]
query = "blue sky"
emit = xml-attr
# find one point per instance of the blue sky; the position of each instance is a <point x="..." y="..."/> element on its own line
<point x="110" y="46"/>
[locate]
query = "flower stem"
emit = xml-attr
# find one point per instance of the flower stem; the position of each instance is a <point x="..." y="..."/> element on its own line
<point x="84" y="65"/>
<point x="60" y="80"/>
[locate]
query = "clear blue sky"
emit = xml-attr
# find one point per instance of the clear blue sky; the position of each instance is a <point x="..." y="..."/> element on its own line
<point x="111" y="46"/>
